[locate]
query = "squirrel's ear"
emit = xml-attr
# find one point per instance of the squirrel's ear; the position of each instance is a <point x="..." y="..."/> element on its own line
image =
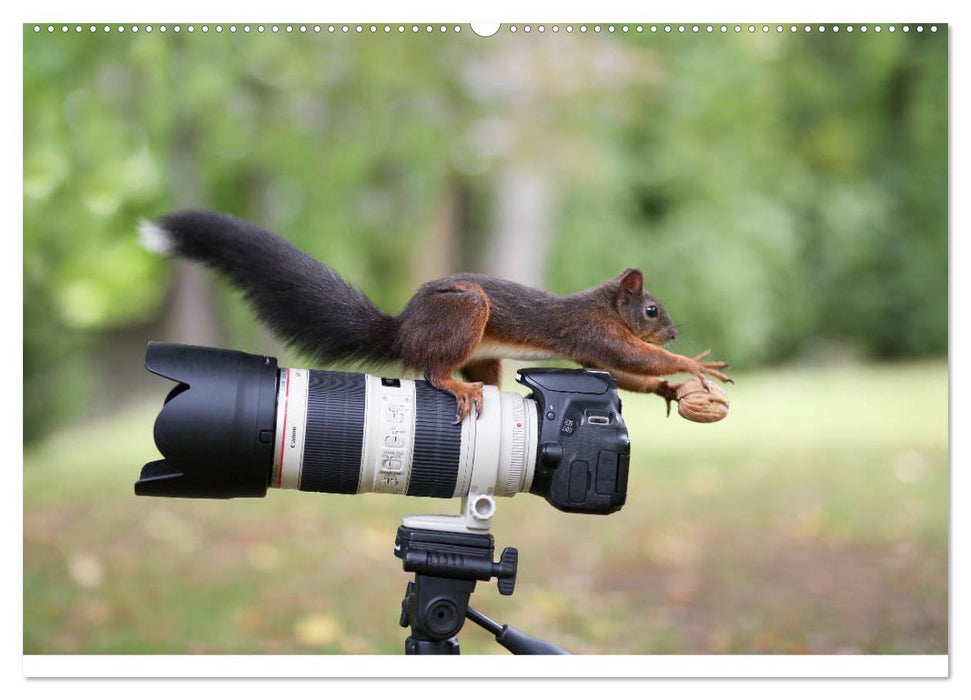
<point x="632" y="281"/>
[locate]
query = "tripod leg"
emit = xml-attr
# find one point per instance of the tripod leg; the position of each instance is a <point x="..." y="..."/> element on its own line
<point x="511" y="638"/>
<point x="428" y="646"/>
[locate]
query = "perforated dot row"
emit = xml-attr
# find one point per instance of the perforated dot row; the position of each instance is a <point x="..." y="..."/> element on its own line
<point x="513" y="28"/>
<point x="713" y="28"/>
<point x="247" y="28"/>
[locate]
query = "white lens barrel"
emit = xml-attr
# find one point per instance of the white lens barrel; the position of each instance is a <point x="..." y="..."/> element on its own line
<point x="357" y="433"/>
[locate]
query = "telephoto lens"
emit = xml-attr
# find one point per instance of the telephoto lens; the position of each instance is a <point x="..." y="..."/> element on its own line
<point x="341" y="432"/>
<point x="237" y="424"/>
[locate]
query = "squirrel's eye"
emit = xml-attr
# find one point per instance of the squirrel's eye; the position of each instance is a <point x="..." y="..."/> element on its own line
<point x="651" y="311"/>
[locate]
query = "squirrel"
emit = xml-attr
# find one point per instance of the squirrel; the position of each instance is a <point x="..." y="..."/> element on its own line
<point x="465" y="322"/>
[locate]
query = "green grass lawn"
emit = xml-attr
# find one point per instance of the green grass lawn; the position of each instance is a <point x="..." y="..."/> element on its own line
<point x="812" y="520"/>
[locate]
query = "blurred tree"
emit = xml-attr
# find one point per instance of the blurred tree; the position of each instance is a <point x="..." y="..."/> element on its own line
<point x="782" y="192"/>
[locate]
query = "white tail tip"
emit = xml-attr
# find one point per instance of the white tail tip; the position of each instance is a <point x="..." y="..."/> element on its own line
<point x="154" y="238"/>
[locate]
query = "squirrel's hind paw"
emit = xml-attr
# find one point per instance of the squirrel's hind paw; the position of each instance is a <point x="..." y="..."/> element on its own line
<point x="466" y="396"/>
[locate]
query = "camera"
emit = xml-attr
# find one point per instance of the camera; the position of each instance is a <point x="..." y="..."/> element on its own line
<point x="237" y="424"/>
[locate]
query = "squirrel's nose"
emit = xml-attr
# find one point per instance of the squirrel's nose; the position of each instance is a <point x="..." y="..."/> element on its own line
<point x="672" y="334"/>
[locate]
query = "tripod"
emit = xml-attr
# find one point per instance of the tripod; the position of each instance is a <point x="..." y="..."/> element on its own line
<point x="436" y="604"/>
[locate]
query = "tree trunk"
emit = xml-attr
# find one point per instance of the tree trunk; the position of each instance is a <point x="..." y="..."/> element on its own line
<point x="191" y="314"/>
<point x="437" y="255"/>
<point x="519" y="246"/>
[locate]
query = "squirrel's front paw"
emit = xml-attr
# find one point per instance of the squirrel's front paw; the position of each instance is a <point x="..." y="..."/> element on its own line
<point x="700" y="369"/>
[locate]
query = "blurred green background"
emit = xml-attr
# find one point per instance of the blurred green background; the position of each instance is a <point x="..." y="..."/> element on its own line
<point x="785" y="194"/>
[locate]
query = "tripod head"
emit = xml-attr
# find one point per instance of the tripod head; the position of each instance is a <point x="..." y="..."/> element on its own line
<point x="447" y="566"/>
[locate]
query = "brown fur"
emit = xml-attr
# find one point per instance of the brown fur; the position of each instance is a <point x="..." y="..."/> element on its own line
<point x="606" y="327"/>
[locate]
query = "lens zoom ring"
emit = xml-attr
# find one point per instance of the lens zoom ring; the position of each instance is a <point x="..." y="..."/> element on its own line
<point x="438" y="443"/>
<point x="335" y="432"/>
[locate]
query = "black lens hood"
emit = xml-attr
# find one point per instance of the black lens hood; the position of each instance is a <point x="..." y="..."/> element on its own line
<point x="216" y="428"/>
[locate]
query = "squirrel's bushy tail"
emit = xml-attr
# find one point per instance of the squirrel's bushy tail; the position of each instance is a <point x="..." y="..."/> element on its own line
<point x="307" y="304"/>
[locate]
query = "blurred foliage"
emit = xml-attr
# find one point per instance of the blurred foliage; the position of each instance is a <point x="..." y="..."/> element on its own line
<point x="785" y="194"/>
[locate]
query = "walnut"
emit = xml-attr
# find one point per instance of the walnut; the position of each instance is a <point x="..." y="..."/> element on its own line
<point x="702" y="405"/>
